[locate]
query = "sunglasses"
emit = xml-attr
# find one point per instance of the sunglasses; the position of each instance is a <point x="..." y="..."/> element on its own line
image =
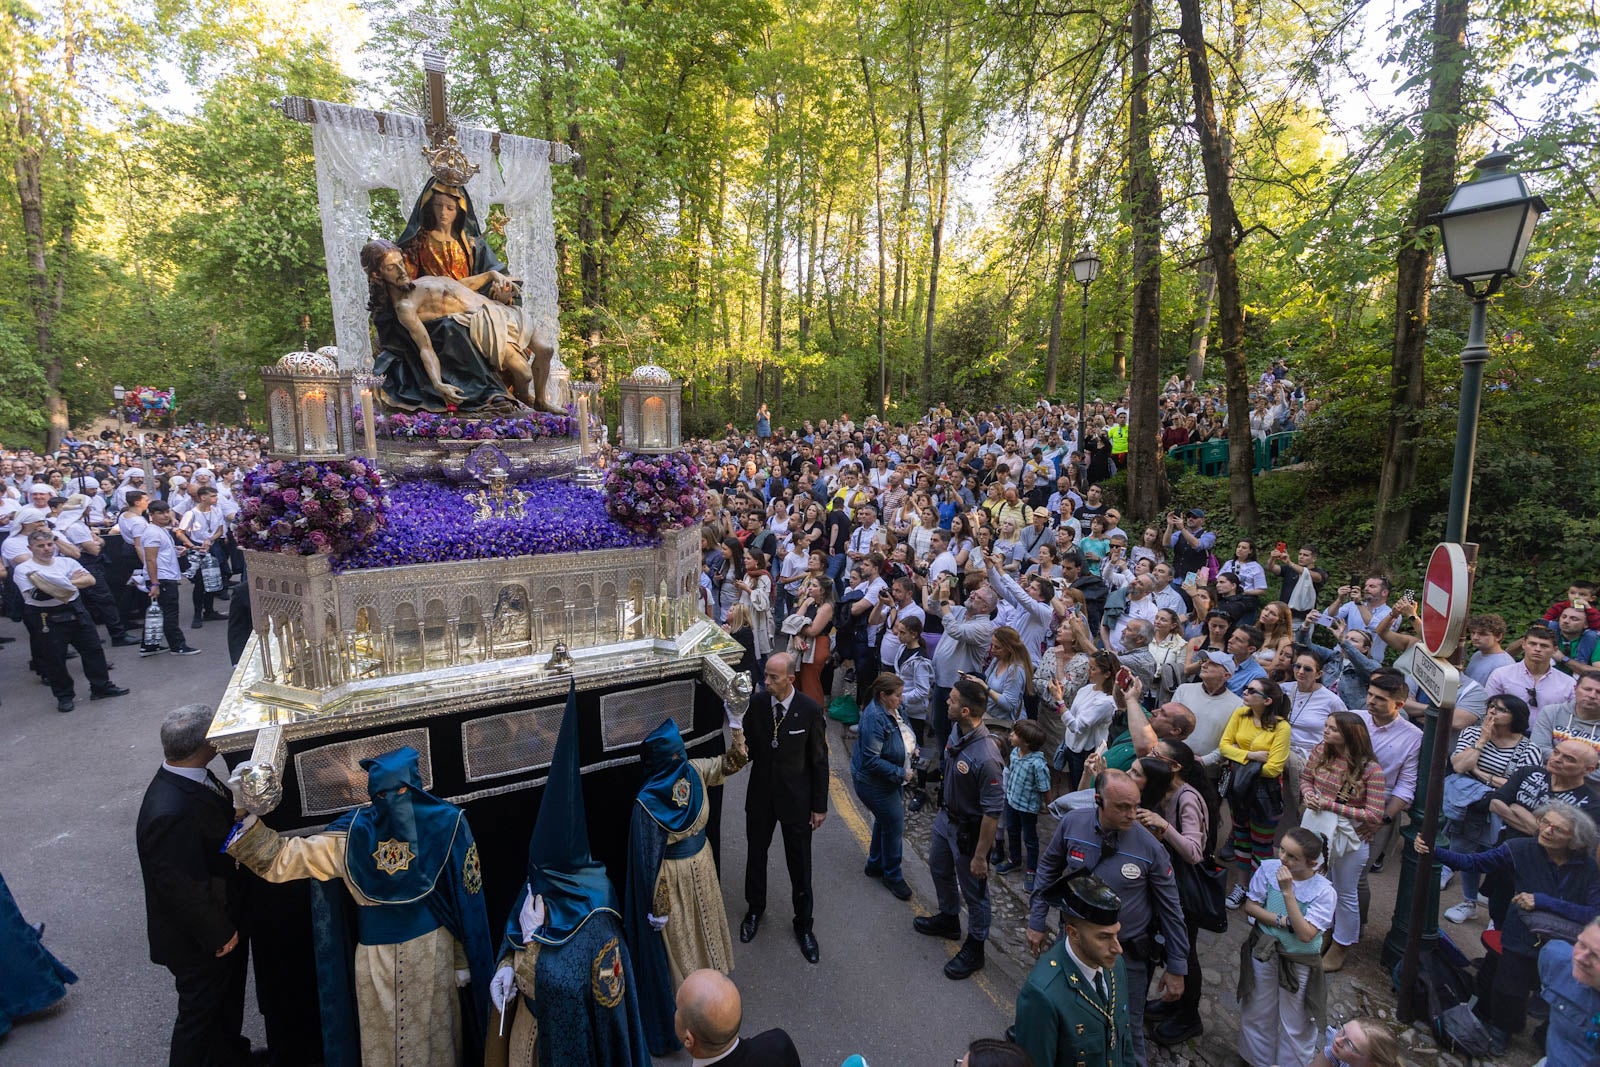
<point x="1533" y="698"/>
<point x="1304" y="667"/>
<point x="1256" y="691"/>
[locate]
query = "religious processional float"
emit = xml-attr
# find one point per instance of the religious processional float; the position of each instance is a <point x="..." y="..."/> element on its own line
<point x="433" y="551"/>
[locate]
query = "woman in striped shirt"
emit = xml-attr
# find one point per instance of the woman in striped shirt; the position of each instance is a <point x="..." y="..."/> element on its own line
<point x="1488" y="753"/>
<point x="1343" y="786"/>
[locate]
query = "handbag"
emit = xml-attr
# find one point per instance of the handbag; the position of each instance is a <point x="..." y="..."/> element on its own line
<point x="1304" y="596"/>
<point x="793" y="623"/>
<point x="1202" y="891"/>
<point x="1547" y="926"/>
<point x="1462" y="793"/>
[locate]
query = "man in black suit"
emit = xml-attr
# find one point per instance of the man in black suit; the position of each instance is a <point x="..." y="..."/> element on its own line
<point x="707" y="1022"/>
<point x="192" y="894"/>
<point x="787" y="736"/>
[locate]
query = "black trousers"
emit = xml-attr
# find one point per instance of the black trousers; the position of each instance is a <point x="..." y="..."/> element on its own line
<point x="758" y="828"/>
<point x="100" y="599"/>
<point x="211" y="1013"/>
<point x="171" y="623"/>
<point x="1513" y="977"/>
<point x="1188" y="1009"/>
<point x="51" y="631"/>
<point x="204" y="602"/>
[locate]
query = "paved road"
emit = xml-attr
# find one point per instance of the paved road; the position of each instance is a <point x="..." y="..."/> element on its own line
<point x="70" y="788"/>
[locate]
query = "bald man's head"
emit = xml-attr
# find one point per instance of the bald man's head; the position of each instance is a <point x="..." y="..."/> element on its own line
<point x="709" y="1013"/>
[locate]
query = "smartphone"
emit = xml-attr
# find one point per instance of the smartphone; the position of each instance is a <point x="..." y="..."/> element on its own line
<point x="1281" y="548"/>
<point x="1124" y="680"/>
<point x="1409" y="594"/>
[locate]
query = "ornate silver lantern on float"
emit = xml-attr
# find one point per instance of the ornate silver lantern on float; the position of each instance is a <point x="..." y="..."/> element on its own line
<point x="309" y="407"/>
<point x="651" y="407"/>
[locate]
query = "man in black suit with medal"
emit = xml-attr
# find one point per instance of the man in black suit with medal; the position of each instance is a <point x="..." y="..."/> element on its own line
<point x="193" y="894"/>
<point x="787" y="736"/>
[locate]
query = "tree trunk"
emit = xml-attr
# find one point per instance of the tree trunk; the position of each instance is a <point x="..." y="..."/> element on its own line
<point x="1407" y="383"/>
<point x="1223" y="222"/>
<point x="1063" y="258"/>
<point x="877" y="188"/>
<point x="1147" y="479"/>
<point x="1205" y="294"/>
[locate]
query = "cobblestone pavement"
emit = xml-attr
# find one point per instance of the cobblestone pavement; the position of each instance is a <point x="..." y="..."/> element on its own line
<point x="1360" y="989"/>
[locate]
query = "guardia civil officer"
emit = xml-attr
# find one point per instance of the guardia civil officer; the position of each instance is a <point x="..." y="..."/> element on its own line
<point x="964" y="829"/>
<point x="1073" y="1009"/>
<point x="53" y="611"/>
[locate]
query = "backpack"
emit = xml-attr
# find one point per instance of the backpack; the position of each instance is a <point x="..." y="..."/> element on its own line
<point x="1444" y="981"/>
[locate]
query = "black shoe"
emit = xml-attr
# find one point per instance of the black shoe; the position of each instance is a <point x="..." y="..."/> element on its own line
<point x="748" y="928"/>
<point x="108" y="692"/>
<point x="1176" y="1030"/>
<point x="195" y="625"/>
<point x="1156" y="1010"/>
<point x="872" y="870"/>
<point x="967" y="962"/>
<point x="214" y="616"/>
<point x="917" y="801"/>
<point x="124" y="641"/>
<point x="38" y="930"/>
<point x="148" y="650"/>
<point x="71" y="654"/>
<point x="939" y="925"/>
<point x="65" y="704"/>
<point x="186" y="650"/>
<point x="997" y="855"/>
<point x="808" y="945"/>
<point x="898" y="888"/>
<point x="1377" y="865"/>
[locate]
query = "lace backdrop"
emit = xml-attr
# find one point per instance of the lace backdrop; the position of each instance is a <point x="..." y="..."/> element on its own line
<point x="354" y="156"/>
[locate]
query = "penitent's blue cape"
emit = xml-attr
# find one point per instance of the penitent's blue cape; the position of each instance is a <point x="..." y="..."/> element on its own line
<point x="31" y="979"/>
<point x="584" y="995"/>
<point x="668" y="803"/>
<point x="441" y="870"/>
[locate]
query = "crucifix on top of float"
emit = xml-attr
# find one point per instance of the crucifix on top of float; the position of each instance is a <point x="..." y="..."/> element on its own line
<point x="358" y="150"/>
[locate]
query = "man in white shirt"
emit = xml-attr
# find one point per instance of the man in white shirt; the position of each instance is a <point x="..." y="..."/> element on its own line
<point x="902" y="604"/>
<point x="55" y="616"/>
<point x="98" y="598"/>
<point x="944" y="561"/>
<point x="1212" y="704"/>
<point x="867" y="529"/>
<point x="163" y="572"/>
<point x="202" y="530"/>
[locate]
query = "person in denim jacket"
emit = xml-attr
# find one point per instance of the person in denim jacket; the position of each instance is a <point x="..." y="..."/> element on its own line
<point x="880" y="767"/>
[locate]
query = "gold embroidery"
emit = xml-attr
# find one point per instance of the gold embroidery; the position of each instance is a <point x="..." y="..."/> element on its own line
<point x="680" y="793"/>
<point x="472" y="871"/>
<point x="393" y="856"/>
<point x="605" y="975"/>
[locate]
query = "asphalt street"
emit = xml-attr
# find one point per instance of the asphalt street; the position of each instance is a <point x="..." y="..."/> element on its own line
<point x="70" y="789"/>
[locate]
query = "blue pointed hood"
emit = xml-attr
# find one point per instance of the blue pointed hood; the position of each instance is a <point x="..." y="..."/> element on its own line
<point x="671" y="793"/>
<point x="560" y="866"/>
<point x="399" y="843"/>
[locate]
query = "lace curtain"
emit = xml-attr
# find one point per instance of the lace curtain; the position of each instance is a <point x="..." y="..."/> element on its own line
<point x="355" y="154"/>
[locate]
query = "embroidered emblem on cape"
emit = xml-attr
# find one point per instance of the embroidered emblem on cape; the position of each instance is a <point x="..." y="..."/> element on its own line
<point x="605" y="975"/>
<point x="680" y="792"/>
<point x="393" y="856"/>
<point x="472" y="871"/>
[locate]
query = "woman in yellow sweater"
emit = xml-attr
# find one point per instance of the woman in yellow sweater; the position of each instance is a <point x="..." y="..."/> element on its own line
<point x="1256" y="745"/>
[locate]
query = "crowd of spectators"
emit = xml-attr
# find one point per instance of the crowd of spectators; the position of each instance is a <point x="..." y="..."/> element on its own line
<point x="1242" y="686"/>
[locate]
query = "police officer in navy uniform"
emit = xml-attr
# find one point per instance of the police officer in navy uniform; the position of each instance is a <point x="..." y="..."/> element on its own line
<point x="1073" y="1009"/>
<point x="964" y="829"/>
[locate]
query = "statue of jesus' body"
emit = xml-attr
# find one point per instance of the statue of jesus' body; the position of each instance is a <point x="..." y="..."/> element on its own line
<point x="503" y="335"/>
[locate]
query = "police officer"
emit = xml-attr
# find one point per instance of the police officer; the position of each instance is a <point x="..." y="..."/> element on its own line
<point x="1073" y="1009"/>
<point x="963" y="831"/>
<point x="52" y="609"/>
<point x="1107" y="841"/>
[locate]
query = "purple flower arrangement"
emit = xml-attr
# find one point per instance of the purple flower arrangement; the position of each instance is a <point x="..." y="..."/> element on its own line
<point x="651" y="493"/>
<point x="431" y="522"/>
<point x="426" y="426"/>
<point x="305" y="508"/>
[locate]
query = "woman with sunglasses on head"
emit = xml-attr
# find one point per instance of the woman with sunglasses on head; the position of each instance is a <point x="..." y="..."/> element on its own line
<point x="1484" y="758"/>
<point x="1359" y="1043"/>
<point x="1255" y="744"/>
<point x="1181" y="818"/>
<point x="1087" y="721"/>
<point x="1343" y="790"/>
<point x="1291" y="904"/>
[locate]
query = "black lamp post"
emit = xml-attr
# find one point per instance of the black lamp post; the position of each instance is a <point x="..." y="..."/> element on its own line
<point x="1085" y="269"/>
<point x="118" y="394"/>
<point x="244" y="412"/>
<point x="1486" y="228"/>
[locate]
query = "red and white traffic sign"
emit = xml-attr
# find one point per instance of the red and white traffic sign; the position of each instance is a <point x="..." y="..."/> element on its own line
<point x="1442" y="615"/>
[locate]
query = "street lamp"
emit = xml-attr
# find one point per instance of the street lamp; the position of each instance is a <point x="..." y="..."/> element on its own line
<point x="1486" y="228"/>
<point x="1085" y="269"/>
<point x="244" y="412"/>
<point x="118" y="393"/>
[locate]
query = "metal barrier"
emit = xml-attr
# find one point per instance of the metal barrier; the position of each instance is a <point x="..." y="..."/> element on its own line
<point x="1210" y="458"/>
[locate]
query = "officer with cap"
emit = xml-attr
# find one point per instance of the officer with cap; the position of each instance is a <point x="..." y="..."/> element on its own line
<point x="963" y="832"/>
<point x="55" y="616"/>
<point x="1073" y="1009"/>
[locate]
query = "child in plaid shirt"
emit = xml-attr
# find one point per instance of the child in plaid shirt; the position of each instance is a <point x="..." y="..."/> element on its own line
<point x="1027" y="780"/>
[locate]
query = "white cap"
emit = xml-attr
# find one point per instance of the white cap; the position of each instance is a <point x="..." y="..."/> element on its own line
<point x="1223" y="660"/>
<point x="27" y="515"/>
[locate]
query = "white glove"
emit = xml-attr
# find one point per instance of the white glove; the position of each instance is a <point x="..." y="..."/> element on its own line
<point x="532" y="916"/>
<point x="656" y="923"/>
<point x="463" y="977"/>
<point x="236" y="784"/>
<point x="502" y="987"/>
<point x="735" y="721"/>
